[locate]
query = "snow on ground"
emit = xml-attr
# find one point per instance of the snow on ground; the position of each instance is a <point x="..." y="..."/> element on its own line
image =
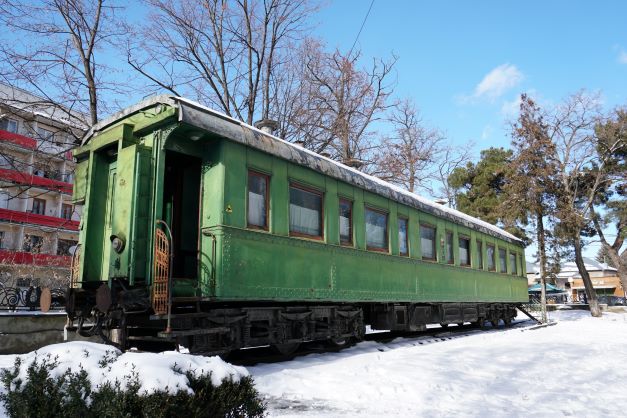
<point x="574" y="368"/>
<point x="156" y="371"/>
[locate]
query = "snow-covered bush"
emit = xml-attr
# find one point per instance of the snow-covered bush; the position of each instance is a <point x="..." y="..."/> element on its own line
<point x="91" y="380"/>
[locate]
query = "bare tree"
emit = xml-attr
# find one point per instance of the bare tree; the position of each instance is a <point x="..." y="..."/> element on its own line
<point x="408" y="158"/>
<point x="339" y="102"/>
<point x="223" y="53"/>
<point x="581" y="174"/>
<point x="53" y="53"/>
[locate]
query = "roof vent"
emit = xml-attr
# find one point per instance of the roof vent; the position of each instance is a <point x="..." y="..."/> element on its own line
<point x="441" y="201"/>
<point x="267" y="126"/>
<point x="299" y="143"/>
<point x="353" y="162"/>
<point x="325" y="154"/>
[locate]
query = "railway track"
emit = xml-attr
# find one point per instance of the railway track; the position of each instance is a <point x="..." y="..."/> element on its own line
<point x="257" y="355"/>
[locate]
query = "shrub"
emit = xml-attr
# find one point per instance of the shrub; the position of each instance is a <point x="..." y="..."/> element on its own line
<point x="46" y="394"/>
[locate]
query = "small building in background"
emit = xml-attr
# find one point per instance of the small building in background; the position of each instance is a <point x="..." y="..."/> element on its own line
<point x="38" y="223"/>
<point x="604" y="279"/>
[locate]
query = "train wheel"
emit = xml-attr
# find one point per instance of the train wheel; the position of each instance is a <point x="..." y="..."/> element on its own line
<point x="285" y="349"/>
<point x="340" y="342"/>
<point x="507" y="322"/>
<point x="495" y="323"/>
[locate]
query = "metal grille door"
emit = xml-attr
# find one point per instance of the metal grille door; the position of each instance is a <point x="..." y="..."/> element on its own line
<point x="161" y="273"/>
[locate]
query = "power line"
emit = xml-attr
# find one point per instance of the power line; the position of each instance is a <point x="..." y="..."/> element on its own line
<point x="361" y="28"/>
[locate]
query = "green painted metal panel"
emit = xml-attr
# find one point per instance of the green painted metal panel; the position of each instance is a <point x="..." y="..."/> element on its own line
<point x="79" y="191"/>
<point x="309" y="270"/>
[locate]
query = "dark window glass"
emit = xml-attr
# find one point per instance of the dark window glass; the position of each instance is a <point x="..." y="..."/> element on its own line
<point x="8" y="125"/>
<point x="502" y="261"/>
<point x="479" y="255"/>
<point x="403" y="247"/>
<point x="257" y="200"/>
<point x="512" y="263"/>
<point x="39" y="206"/>
<point x="464" y="251"/>
<point x="490" y="255"/>
<point x="64" y="245"/>
<point x="449" y="247"/>
<point x="427" y="242"/>
<point x="1" y="240"/>
<point x="305" y="212"/>
<point x="376" y="230"/>
<point x="32" y="243"/>
<point x="346" y="222"/>
<point x="66" y="211"/>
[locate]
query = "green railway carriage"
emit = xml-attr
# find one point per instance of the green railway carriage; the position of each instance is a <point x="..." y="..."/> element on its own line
<point x="202" y="229"/>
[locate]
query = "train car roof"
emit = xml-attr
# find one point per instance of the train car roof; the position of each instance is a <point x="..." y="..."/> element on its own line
<point x="200" y="116"/>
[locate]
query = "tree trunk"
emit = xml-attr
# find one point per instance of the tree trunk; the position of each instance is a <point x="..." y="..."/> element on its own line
<point x="620" y="261"/>
<point x="542" y="254"/>
<point x="593" y="302"/>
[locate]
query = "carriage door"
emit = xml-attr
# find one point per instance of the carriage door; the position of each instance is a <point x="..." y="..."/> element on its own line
<point x="108" y="221"/>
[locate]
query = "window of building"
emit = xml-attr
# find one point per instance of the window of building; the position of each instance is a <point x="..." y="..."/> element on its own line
<point x="45" y="134"/>
<point x="32" y="243"/>
<point x="490" y="255"/>
<point x="376" y="230"/>
<point x="403" y="242"/>
<point x="258" y="200"/>
<point x="1" y="240"/>
<point x="305" y="212"/>
<point x="64" y="245"/>
<point x="479" y="254"/>
<point x="346" y="222"/>
<point x="464" y="251"/>
<point x="512" y="263"/>
<point x="502" y="261"/>
<point x="449" y="247"/>
<point x="8" y="124"/>
<point x="39" y="206"/>
<point x="66" y="211"/>
<point x="427" y="242"/>
<point x="4" y="200"/>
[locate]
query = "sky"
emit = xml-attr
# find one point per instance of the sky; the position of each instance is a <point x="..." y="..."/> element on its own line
<point x="466" y="63"/>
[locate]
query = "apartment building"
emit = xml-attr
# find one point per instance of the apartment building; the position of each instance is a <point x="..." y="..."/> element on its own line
<point x="38" y="223"/>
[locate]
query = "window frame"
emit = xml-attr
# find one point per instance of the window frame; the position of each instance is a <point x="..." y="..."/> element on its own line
<point x="40" y="203"/>
<point x="493" y="257"/>
<point x="449" y="260"/>
<point x="8" y="121"/>
<point x="387" y="229"/>
<point x="406" y="220"/>
<point x="434" y="246"/>
<point x="467" y="239"/>
<point x="479" y="247"/>
<point x="499" y="258"/>
<point x="350" y="242"/>
<point x="68" y="206"/>
<point x="308" y="189"/>
<point x="513" y="267"/>
<point x="266" y="177"/>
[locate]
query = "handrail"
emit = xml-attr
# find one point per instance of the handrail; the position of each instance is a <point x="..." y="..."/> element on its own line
<point x="171" y="264"/>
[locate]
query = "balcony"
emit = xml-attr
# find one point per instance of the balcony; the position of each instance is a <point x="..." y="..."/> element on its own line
<point x="17" y="139"/>
<point x="15" y="216"/>
<point x="26" y="179"/>
<point x="21" y="258"/>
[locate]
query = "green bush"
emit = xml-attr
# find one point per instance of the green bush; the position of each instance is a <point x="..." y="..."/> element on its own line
<point x="44" y="394"/>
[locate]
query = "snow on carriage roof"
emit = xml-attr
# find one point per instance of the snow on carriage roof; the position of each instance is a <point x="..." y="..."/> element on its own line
<point x="211" y="120"/>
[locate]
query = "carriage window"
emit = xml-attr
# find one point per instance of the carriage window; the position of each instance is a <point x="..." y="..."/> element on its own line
<point x="427" y="242"/>
<point x="305" y="212"/>
<point x="479" y="254"/>
<point x="512" y="263"/>
<point x="449" y="247"/>
<point x="403" y="247"/>
<point x="376" y="230"/>
<point x="502" y="261"/>
<point x="257" y="200"/>
<point x="346" y="222"/>
<point x="464" y="251"/>
<point x="490" y="254"/>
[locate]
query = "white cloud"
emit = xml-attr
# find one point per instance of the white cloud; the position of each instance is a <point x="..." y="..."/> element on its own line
<point x="498" y="81"/>
<point x="487" y="132"/>
<point x="622" y="56"/>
